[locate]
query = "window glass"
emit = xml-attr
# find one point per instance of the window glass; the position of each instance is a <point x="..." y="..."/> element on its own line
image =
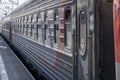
<point x="23" y="28"/>
<point x="45" y="16"/>
<point x="27" y="19"/>
<point x="56" y="15"/>
<point x="32" y="17"/>
<point x="32" y="28"/>
<point x="23" y="19"/>
<point x="68" y="29"/>
<point x="46" y="32"/>
<point x="34" y="32"/>
<point x="56" y="27"/>
<point x="39" y="31"/>
<point x="83" y="31"/>
<point x="20" y="28"/>
<point x="27" y="29"/>
<point x="56" y="33"/>
<point x="38" y="15"/>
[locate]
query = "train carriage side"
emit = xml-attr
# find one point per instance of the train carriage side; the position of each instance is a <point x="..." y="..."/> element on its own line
<point x="51" y="33"/>
<point x="44" y="37"/>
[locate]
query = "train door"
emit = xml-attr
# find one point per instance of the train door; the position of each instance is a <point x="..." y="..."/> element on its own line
<point x="84" y="41"/>
<point x="94" y="40"/>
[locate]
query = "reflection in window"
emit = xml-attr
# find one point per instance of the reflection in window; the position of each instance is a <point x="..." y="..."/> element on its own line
<point x="56" y="26"/>
<point x="56" y="15"/>
<point x="45" y="16"/>
<point x="27" y="19"/>
<point x="38" y="31"/>
<point x="20" y="28"/>
<point x="23" y="19"/>
<point x="34" y="32"/>
<point x="46" y="32"/>
<point x="56" y="33"/>
<point x="27" y="29"/>
<point x="38" y="16"/>
<point x="17" y="28"/>
<point x="68" y="35"/>
<point x="32" y="28"/>
<point x="23" y="28"/>
<point x="83" y="31"/>
<point x="32" y="18"/>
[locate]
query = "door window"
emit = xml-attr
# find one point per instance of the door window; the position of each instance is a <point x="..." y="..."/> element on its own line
<point x="83" y="31"/>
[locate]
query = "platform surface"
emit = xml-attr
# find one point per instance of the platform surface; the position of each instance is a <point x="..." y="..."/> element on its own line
<point x="11" y="67"/>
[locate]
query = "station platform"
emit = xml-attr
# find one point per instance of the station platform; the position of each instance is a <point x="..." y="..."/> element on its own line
<point x="11" y="68"/>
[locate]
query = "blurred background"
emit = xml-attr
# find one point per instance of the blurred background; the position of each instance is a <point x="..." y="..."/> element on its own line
<point x="6" y="6"/>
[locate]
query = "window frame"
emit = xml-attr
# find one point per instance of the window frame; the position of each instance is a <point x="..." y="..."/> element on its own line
<point x="85" y="43"/>
<point x="65" y="27"/>
<point x="39" y="27"/>
<point x="56" y="13"/>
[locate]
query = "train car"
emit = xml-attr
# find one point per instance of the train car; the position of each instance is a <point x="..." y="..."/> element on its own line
<point x="65" y="39"/>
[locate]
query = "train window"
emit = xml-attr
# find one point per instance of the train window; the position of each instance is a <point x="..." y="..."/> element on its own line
<point x="17" y="27"/>
<point x="27" y="29"/>
<point x="56" y="15"/>
<point x="46" y="32"/>
<point x="45" y="16"/>
<point x="20" y="28"/>
<point x="32" y="29"/>
<point x="35" y="32"/>
<point x="56" y="33"/>
<point x="23" y="19"/>
<point x="56" y="27"/>
<point x="39" y="32"/>
<point x="20" y="20"/>
<point x="27" y="19"/>
<point x="68" y="34"/>
<point x="38" y="16"/>
<point x="23" y="28"/>
<point x="35" y="17"/>
<point x="83" y="31"/>
<point x="32" y="18"/>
